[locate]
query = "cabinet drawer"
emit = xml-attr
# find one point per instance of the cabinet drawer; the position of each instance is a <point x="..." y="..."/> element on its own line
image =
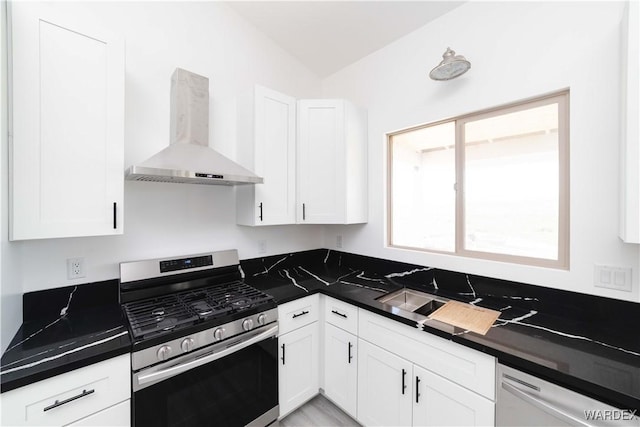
<point x="298" y="313"/>
<point x="69" y="397"/>
<point x="462" y="365"/>
<point x="341" y="314"/>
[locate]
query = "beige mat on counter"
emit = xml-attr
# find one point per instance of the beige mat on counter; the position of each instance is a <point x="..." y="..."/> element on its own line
<point x="466" y="316"/>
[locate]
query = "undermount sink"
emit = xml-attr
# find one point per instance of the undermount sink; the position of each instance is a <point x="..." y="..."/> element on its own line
<point x="412" y="301"/>
<point x="429" y="307"/>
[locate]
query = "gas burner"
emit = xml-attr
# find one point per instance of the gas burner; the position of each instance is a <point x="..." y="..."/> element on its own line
<point x="202" y="308"/>
<point x="240" y="303"/>
<point x="167" y="324"/>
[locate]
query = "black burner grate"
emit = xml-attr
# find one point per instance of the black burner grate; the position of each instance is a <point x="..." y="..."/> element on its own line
<point x="155" y="316"/>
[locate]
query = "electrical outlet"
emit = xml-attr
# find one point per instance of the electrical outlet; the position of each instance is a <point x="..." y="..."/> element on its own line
<point x="262" y="246"/>
<point x="75" y="268"/>
<point x="339" y="241"/>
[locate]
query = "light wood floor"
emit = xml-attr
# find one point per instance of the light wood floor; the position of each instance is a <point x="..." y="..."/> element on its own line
<point x="318" y="412"/>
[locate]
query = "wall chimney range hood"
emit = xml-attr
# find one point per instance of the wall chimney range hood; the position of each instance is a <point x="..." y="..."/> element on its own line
<point x="188" y="159"/>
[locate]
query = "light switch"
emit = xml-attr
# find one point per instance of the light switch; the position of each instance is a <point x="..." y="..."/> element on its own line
<point x="610" y="277"/>
<point x="619" y="280"/>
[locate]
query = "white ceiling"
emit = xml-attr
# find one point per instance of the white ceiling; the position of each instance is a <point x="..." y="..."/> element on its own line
<point x="326" y="36"/>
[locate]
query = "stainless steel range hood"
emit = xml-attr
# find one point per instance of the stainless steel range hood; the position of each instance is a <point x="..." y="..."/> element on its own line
<point x="188" y="159"/>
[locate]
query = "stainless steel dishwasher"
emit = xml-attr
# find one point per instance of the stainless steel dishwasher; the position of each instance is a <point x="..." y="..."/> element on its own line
<point x="525" y="400"/>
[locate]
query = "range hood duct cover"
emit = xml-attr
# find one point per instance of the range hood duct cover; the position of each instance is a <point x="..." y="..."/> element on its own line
<point x="188" y="159"/>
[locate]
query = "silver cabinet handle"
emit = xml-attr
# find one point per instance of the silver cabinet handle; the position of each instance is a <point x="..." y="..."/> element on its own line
<point x="544" y="406"/>
<point x="199" y="361"/>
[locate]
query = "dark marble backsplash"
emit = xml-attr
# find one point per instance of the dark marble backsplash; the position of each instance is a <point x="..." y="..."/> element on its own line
<point x="48" y="303"/>
<point x="459" y="285"/>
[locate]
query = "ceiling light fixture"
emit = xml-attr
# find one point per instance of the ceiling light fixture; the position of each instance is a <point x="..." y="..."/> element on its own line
<point x="452" y="66"/>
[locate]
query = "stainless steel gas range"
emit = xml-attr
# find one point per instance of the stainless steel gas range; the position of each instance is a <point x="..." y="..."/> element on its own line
<point x="205" y="343"/>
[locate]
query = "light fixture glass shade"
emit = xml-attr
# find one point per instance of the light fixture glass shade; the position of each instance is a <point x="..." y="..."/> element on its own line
<point x="452" y="66"/>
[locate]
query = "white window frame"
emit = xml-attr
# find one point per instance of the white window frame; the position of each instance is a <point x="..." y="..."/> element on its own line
<point x="562" y="262"/>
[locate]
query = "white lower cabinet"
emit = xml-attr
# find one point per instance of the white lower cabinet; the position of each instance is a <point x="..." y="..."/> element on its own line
<point x="379" y="371"/>
<point x="394" y="391"/>
<point x="341" y="368"/>
<point x="471" y="369"/>
<point x="439" y="402"/>
<point x="384" y="387"/>
<point x="298" y="372"/>
<point x="98" y="393"/>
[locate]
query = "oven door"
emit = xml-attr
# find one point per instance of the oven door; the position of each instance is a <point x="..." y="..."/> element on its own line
<point x="232" y="383"/>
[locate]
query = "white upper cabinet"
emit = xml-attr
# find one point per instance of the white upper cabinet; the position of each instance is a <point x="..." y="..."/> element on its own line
<point x="67" y="130"/>
<point x="630" y="126"/>
<point x="267" y="146"/>
<point x="313" y="160"/>
<point x="332" y="162"/>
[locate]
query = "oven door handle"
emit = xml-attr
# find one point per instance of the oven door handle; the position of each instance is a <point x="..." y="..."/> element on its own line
<point x="178" y="369"/>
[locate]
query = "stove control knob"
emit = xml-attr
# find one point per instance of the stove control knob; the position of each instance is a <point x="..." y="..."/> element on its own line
<point x="164" y="352"/>
<point x="187" y="344"/>
<point x="247" y="324"/>
<point x="262" y="319"/>
<point x="218" y="334"/>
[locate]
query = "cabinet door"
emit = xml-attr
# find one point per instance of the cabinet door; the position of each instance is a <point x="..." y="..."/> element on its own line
<point x="272" y="146"/>
<point x="275" y="127"/>
<point x="321" y="162"/>
<point x="68" y="127"/>
<point x="341" y="368"/>
<point x="385" y="388"/>
<point x="298" y="373"/>
<point x="439" y="402"/>
<point x="630" y="158"/>
<point x="116" y="416"/>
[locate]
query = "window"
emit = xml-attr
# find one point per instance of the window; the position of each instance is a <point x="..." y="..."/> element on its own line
<point x="492" y="185"/>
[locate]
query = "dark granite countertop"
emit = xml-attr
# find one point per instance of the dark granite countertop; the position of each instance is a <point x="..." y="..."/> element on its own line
<point x="582" y="342"/>
<point x="65" y="329"/>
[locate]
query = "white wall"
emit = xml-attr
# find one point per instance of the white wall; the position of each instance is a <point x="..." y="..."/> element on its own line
<point x="517" y="50"/>
<point x="166" y="219"/>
